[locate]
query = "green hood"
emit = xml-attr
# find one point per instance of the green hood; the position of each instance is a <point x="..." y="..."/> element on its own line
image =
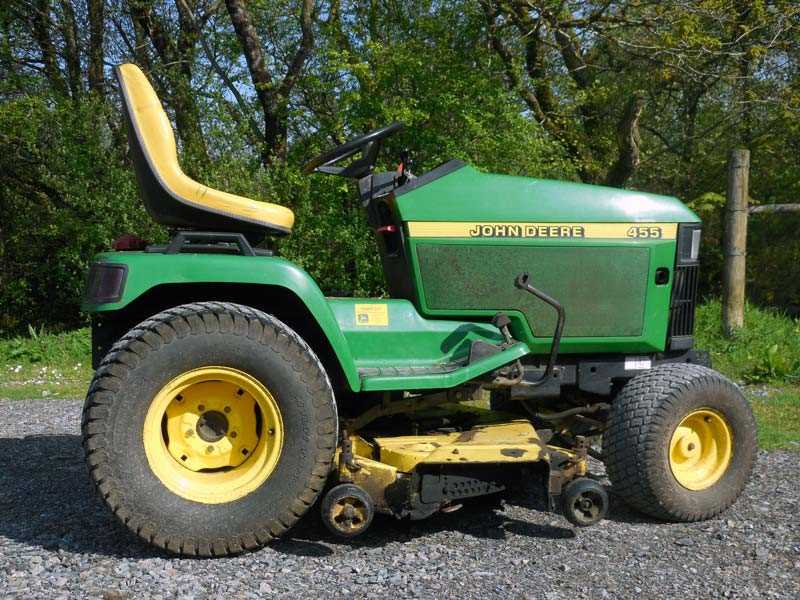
<point x="463" y="193"/>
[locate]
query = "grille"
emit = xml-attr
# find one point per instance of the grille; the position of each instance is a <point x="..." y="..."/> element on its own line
<point x="684" y="293"/>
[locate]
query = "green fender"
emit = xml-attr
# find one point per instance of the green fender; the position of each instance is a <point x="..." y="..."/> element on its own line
<point x="146" y="270"/>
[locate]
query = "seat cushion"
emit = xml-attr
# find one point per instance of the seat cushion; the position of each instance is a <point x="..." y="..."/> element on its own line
<point x="170" y="195"/>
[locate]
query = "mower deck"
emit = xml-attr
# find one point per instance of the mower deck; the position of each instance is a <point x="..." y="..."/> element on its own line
<point x="417" y="475"/>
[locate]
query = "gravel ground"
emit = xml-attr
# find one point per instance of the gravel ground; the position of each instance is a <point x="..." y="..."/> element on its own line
<point x="57" y="541"/>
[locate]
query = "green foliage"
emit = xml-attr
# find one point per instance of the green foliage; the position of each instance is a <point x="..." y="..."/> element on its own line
<point x="713" y="76"/>
<point x="44" y="364"/>
<point x="65" y="197"/>
<point x="40" y="346"/>
<point x="766" y="350"/>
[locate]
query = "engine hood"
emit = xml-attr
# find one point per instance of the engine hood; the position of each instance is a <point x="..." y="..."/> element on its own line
<point x="458" y="192"/>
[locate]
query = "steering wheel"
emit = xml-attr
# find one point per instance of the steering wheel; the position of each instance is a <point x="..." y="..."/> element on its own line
<point x="368" y="145"/>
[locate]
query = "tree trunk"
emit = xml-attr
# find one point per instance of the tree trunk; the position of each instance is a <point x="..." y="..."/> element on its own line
<point x="41" y="33"/>
<point x="96" y="12"/>
<point x="69" y="30"/>
<point x="256" y="64"/>
<point x="628" y="141"/>
<point x="273" y="96"/>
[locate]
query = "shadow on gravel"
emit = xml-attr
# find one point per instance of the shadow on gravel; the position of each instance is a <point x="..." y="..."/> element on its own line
<point x="479" y="518"/>
<point x="619" y="512"/>
<point x="47" y="500"/>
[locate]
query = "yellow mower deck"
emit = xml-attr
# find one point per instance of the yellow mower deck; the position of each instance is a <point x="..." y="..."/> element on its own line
<point x="379" y="463"/>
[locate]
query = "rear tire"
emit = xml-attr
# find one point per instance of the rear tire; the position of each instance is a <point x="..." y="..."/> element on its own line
<point x="279" y="438"/>
<point x="680" y="443"/>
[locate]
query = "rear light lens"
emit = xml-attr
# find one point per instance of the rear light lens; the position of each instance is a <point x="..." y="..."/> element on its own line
<point x="106" y="283"/>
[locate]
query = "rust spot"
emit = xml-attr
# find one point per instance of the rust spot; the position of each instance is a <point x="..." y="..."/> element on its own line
<point x="513" y="452"/>
<point x="467" y="436"/>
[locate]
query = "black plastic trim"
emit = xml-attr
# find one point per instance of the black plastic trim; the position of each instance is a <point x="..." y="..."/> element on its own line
<point x="681" y="342"/>
<point x="438" y="172"/>
<point x="208" y="242"/>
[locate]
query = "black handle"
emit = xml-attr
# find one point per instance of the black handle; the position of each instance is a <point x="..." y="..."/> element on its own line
<point x="522" y="282"/>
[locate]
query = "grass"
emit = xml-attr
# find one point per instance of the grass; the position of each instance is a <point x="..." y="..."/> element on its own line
<point x="766" y="350"/>
<point x="764" y="357"/>
<point x="46" y="365"/>
<point x="777" y="412"/>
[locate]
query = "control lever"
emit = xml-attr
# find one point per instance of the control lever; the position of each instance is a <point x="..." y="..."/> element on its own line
<point x="501" y="321"/>
<point x="522" y="282"/>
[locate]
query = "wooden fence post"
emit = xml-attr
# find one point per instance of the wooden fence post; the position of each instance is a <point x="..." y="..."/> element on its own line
<point x="735" y="242"/>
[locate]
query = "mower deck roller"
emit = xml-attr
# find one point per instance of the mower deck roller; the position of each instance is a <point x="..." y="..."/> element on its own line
<point x="530" y="324"/>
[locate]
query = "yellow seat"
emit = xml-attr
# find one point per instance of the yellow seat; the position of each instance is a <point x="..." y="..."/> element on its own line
<point x="171" y="197"/>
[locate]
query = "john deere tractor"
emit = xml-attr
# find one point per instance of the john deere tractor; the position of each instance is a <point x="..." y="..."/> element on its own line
<point x="530" y="325"/>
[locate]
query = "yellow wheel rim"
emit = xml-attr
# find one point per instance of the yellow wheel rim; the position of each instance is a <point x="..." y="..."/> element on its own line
<point x="213" y="435"/>
<point x="701" y="449"/>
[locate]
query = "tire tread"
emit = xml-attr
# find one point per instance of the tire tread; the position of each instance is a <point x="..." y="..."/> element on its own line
<point x="196" y="319"/>
<point x="631" y="445"/>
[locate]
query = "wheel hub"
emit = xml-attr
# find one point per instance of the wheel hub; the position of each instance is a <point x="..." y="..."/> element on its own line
<point x="701" y="449"/>
<point x="589" y="505"/>
<point x="212" y="426"/>
<point x="349" y="514"/>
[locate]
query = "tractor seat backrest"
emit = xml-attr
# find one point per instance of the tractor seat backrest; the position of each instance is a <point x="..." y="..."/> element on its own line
<point x="170" y="196"/>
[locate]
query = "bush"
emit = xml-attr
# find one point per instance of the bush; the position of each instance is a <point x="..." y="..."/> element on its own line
<point x="767" y="349"/>
<point x="41" y="346"/>
<point x="66" y="195"/>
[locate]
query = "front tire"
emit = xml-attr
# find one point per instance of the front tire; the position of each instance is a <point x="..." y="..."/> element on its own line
<point x="680" y="443"/>
<point x="209" y="429"/>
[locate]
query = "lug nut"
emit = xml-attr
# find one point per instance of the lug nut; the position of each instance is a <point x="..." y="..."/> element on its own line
<point x="227" y="409"/>
<point x="189" y="433"/>
<point x="201" y="408"/>
<point x="209" y="449"/>
<point x="234" y="434"/>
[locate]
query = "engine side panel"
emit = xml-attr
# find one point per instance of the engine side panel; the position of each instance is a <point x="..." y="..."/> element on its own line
<point x="609" y="288"/>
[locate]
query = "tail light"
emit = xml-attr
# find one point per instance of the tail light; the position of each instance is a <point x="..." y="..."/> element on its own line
<point x="105" y="283"/>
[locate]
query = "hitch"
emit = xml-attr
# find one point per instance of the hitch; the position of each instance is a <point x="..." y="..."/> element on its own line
<point x="522" y="283"/>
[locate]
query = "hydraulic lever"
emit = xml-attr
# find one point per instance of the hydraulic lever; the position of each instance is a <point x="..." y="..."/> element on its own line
<point x="522" y="283"/>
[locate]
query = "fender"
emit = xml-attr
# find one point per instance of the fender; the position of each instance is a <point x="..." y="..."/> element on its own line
<point x="143" y="271"/>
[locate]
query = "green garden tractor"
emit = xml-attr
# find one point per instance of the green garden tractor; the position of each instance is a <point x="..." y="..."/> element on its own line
<point x="531" y="326"/>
